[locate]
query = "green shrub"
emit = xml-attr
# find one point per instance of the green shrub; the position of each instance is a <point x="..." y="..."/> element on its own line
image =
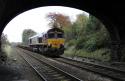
<point x="102" y="54"/>
<point x="80" y="43"/>
<point x="71" y="43"/>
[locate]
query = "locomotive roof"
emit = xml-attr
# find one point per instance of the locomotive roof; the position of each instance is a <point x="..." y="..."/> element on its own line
<point x="50" y="30"/>
<point x="55" y="29"/>
<point x="37" y="35"/>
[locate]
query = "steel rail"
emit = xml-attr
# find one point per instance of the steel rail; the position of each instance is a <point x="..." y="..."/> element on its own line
<point x="95" y="68"/>
<point x="94" y="64"/>
<point x="41" y="76"/>
<point x="73" y="78"/>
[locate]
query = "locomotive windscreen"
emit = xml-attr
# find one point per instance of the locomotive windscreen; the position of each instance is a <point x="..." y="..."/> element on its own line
<point x="60" y="35"/>
<point x="51" y="35"/>
<point x="55" y="35"/>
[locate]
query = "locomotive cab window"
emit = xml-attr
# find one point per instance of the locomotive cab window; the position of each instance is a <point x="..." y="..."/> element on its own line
<point x="51" y="35"/>
<point x="40" y="40"/>
<point x="60" y="35"/>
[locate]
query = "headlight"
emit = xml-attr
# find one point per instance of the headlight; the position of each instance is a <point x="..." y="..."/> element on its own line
<point x="50" y="46"/>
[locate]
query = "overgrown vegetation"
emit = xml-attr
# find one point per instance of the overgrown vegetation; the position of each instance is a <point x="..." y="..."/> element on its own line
<point x="4" y="44"/>
<point x="86" y="37"/>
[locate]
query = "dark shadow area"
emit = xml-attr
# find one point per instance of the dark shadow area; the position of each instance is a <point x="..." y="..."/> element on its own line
<point x="8" y="74"/>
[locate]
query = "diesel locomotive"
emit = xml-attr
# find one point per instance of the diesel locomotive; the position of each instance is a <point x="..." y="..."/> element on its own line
<point x="50" y="43"/>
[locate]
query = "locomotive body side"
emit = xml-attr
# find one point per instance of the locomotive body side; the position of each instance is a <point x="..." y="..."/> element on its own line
<point x="37" y="41"/>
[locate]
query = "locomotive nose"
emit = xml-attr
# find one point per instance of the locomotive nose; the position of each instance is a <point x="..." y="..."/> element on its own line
<point x="55" y="45"/>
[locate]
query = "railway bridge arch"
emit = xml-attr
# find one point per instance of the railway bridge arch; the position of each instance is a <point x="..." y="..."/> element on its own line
<point x="110" y="14"/>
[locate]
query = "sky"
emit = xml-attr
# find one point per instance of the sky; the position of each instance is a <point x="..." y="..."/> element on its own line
<point x="36" y="20"/>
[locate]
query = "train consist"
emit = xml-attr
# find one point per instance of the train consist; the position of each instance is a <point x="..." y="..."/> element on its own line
<point x="49" y="43"/>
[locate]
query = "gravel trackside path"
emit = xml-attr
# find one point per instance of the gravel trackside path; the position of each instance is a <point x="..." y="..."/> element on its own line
<point x="16" y="69"/>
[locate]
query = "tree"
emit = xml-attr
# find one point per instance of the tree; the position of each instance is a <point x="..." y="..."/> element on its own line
<point x="58" y="20"/>
<point x="76" y="30"/>
<point x="93" y="25"/>
<point x="79" y="25"/>
<point x="26" y="34"/>
<point x="82" y="20"/>
<point x="97" y="35"/>
<point x="4" y="39"/>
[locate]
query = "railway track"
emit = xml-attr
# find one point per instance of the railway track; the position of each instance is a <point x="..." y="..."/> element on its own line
<point x="46" y="71"/>
<point x="96" y="68"/>
<point x="106" y="71"/>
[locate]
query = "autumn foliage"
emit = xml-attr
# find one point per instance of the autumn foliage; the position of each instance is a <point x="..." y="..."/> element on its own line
<point x="58" y="20"/>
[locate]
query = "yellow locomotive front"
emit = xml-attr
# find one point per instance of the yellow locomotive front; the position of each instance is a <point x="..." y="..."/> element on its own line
<point x="55" y="41"/>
